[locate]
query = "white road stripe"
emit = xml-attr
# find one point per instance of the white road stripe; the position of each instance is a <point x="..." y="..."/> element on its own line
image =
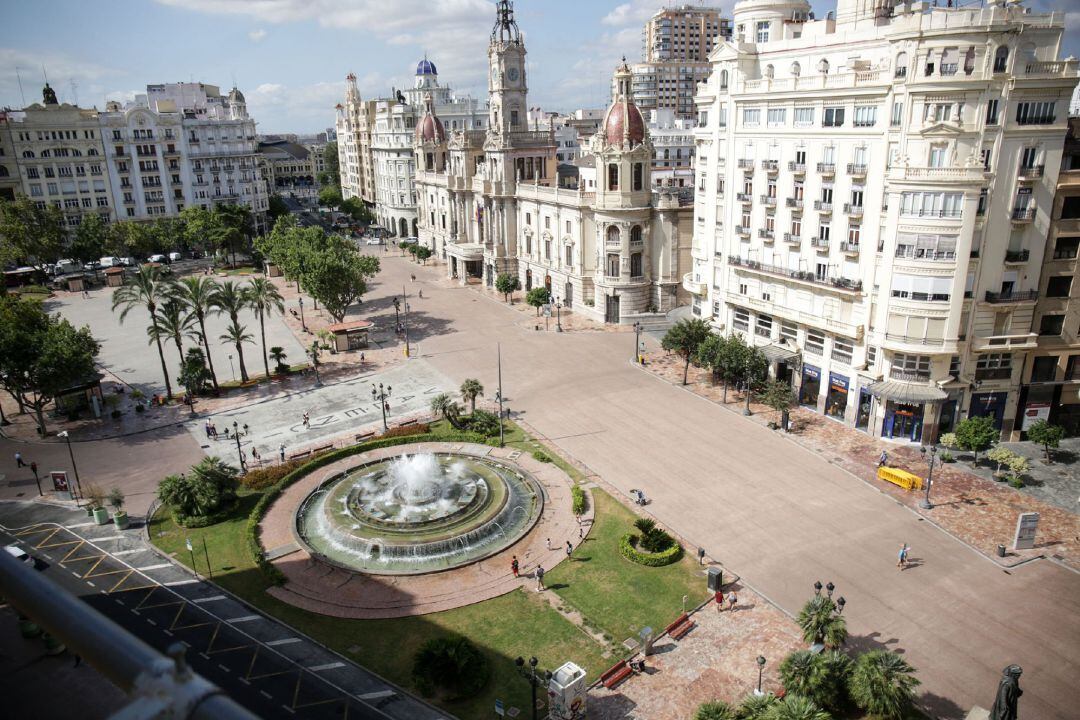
<point x="246" y="618"/>
<point x="284" y="641"/>
<point x="154" y="567"/>
<point x="181" y="582"/>
<point x="118" y="553"/>
<point x="80" y="525"/>
<point x="111" y="537"/>
<point x="209" y="599"/>
<point x="327" y="666"/>
<point x="377" y="695"/>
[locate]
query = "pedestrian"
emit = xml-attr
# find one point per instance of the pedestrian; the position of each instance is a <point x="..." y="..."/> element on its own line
<point x="883" y="459"/>
<point x="281" y="451"/>
<point x="901" y="560"/>
<point x="18" y="459"/>
<point x="209" y="433"/>
<point x="548" y="541"/>
<point x="514" y="566"/>
<point x="413" y="277"/>
<point x="569" y="550"/>
<point x="539" y="578"/>
<point x="719" y="597"/>
<point x="307" y="421"/>
<point x="361" y="358"/>
<point x="580" y="531"/>
<point x="421" y="293"/>
<point x="732" y="598"/>
<point x="255" y="454"/>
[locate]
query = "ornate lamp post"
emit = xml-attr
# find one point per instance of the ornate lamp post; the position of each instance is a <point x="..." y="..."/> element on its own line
<point x="531" y="676"/>
<point x="71" y="454"/>
<point x="760" y="669"/>
<point x="637" y="342"/>
<point x="239" y="452"/>
<point x="382" y="395"/>
<point x="925" y="503"/>
<point x="302" y="323"/>
<point x="558" y="316"/>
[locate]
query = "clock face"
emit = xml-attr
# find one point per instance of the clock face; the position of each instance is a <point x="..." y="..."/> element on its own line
<point x="512" y="73"/>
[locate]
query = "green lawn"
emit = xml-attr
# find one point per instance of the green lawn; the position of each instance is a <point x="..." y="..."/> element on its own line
<point x="618" y="596"/>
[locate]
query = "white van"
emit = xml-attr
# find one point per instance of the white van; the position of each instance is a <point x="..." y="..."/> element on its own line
<point x="67" y="266"/>
<point x="110" y="261"/>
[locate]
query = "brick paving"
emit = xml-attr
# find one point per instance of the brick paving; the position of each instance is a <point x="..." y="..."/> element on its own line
<point x="321" y="588"/>
<point x="978" y="511"/>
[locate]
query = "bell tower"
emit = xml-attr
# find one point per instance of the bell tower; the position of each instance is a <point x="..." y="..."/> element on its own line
<point x="508" y="111"/>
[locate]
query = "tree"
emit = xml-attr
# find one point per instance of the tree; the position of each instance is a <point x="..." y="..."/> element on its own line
<point x="357" y="209"/>
<point x="883" y="684"/>
<point x="507" y="284"/>
<point x="446" y="407"/>
<point x="709" y="355"/>
<point x="802" y="672"/>
<point x="975" y="434"/>
<point x="210" y="484"/>
<point x="537" y="298"/>
<point x="779" y="396"/>
<point x="821" y="623"/>
<point x="193" y="372"/>
<point x="234" y="227"/>
<point x="276" y="208"/>
<point x="89" y="240"/>
<point x="1000" y="455"/>
<point x="1047" y="435"/>
<point x="470" y="389"/>
<point x="230" y="298"/>
<point x="31" y="235"/>
<point x="452" y="667"/>
<point x="422" y="254"/>
<point x="337" y="276"/>
<point x="714" y="710"/>
<point x="173" y="323"/>
<point x="756" y="707"/>
<point x="127" y="238"/>
<point x="196" y="292"/>
<point x="277" y="354"/>
<point x="263" y="297"/>
<point x="331" y="163"/>
<point x="797" y="707"/>
<point x="147" y="288"/>
<point x="330" y="197"/>
<point x="41" y="355"/>
<point x="684" y="339"/>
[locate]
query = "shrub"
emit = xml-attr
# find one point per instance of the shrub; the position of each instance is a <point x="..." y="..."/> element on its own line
<point x="453" y="668"/>
<point x="883" y="684"/>
<point x="1047" y="435"/>
<point x="946" y="456"/>
<point x="797" y="707"/>
<point x="1000" y="456"/>
<point x="115" y="414"/>
<point x="949" y="440"/>
<point x="541" y="456"/>
<point x="975" y="434"/>
<point x="483" y="422"/>
<point x="756" y="707"/>
<point x="581" y="502"/>
<point x="628" y="547"/>
<point x="714" y="710"/>
<point x="210" y="486"/>
<point x="263" y="477"/>
<point x="652" y="539"/>
<point x="821" y="623"/>
<point x="140" y="408"/>
<point x="406" y="430"/>
<point x="1018" y="465"/>
<point x="1016" y="481"/>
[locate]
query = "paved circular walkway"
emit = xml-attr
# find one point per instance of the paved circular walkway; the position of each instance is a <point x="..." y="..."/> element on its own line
<point x="319" y="587"/>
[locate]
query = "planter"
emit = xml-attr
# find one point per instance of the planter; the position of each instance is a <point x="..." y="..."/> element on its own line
<point x="89" y="511"/>
<point x="121" y="520"/>
<point x="101" y="516"/>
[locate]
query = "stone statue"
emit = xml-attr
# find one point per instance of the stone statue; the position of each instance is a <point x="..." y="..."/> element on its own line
<point x="49" y="95"/>
<point x="1008" y="693"/>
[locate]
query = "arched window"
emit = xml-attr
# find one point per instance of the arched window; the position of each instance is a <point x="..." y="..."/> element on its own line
<point x="723" y="79"/>
<point x="612" y="176"/>
<point x="3" y="171"/>
<point x="76" y="152"/>
<point x="28" y="153"/>
<point x="796" y="69"/>
<point x="91" y="151"/>
<point x="901" y="65"/>
<point x="635" y="235"/>
<point x="613" y="235"/>
<point x="46" y="153"/>
<point x="969" y="60"/>
<point x="639" y="175"/>
<point x="1001" y="59"/>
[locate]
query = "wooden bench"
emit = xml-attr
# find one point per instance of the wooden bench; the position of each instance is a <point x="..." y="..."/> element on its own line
<point x="322" y="448"/>
<point x="407" y="423"/>
<point x="678" y="629"/>
<point x="619" y="672"/>
<point x="300" y="455"/>
<point x="361" y="437"/>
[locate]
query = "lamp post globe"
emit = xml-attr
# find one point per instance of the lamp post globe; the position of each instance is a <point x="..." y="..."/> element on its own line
<point x="925" y="503"/>
<point x="760" y="670"/>
<point x="817" y="587"/>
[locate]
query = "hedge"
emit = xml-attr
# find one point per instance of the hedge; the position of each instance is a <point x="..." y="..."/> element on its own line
<point x="581" y="501"/>
<point x="541" y="456"/>
<point x="628" y="547"/>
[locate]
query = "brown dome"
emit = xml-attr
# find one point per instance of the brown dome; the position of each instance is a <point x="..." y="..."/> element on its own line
<point x="624" y="124"/>
<point x="430" y="129"/>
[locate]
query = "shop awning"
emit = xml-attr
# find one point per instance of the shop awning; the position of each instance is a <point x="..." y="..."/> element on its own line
<point x="907" y="392"/>
<point x="466" y="251"/>
<point x="777" y="353"/>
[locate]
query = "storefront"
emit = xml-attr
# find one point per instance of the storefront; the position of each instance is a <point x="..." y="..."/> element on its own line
<point x="836" y="399"/>
<point x="906" y="407"/>
<point x="903" y="422"/>
<point x="811" y="386"/>
<point x="991" y="405"/>
<point x="862" y="415"/>
<point x="783" y="363"/>
<point x="350" y="335"/>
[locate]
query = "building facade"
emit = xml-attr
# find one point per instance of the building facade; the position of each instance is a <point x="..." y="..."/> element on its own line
<point x="354" y="125"/>
<point x="395" y="167"/>
<point x="490" y="202"/>
<point x="287" y="168"/>
<point x="10" y="182"/>
<point x="874" y="194"/>
<point x="673" y="149"/>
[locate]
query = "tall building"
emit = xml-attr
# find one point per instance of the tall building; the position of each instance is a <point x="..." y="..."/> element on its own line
<point x="354" y="125"/>
<point x="676" y="43"/>
<point x="489" y="201"/>
<point x="395" y="167"/>
<point x="874" y="192"/>
<point x="10" y="183"/>
<point x="673" y="149"/>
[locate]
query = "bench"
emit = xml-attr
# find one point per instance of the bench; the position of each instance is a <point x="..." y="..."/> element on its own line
<point x="619" y="672"/>
<point x="361" y="437"/>
<point x="300" y="455"/>
<point x="678" y="629"/>
<point x="322" y="448"/>
<point x="407" y="423"/>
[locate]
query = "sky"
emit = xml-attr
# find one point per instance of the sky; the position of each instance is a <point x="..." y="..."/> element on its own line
<point x="290" y="57"/>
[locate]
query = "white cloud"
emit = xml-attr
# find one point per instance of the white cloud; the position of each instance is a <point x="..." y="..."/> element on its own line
<point x="62" y="69"/>
<point x="257" y="35"/>
<point x="303" y="106"/>
<point x="635" y="12"/>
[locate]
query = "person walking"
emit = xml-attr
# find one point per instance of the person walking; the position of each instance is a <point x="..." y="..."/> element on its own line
<point x="514" y="566"/>
<point x="209" y="434"/>
<point x="539" y="578"/>
<point x="901" y="559"/>
<point x="883" y="459"/>
<point x="548" y="541"/>
<point x="307" y="421"/>
<point x="19" y="462"/>
<point x="719" y="597"/>
<point x="569" y="550"/>
<point x="421" y="293"/>
<point x="281" y="452"/>
<point x="732" y="598"/>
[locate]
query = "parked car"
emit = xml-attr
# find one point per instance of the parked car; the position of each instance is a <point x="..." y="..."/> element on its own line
<point x="92" y="265"/>
<point x="68" y="266"/>
<point x="174" y="256"/>
<point x="157" y="259"/>
<point x="374" y="241"/>
<point x="109" y="261"/>
<point x="127" y="262"/>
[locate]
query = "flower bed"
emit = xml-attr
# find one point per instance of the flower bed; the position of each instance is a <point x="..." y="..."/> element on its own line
<point x="628" y="547"/>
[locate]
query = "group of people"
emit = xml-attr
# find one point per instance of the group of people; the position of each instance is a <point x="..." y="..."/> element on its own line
<point x="732" y="600"/>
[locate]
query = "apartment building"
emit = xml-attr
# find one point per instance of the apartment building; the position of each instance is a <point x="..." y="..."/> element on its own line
<point x="353" y="127"/>
<point x="10" y="183"/>
<point x="673" y="149"/>
<point x="874" y="194"/>
<point x="287" y="168"/>
<point x="395" y="167"/>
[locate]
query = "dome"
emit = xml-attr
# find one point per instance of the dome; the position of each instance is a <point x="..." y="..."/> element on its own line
<point x="430" y="129"/>
<point x="624" y="124"/>
<point x="426" y="67"/>
<point x="235" y="96"/>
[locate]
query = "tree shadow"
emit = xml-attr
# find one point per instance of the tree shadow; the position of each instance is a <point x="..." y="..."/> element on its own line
<point x="940" y="707"/>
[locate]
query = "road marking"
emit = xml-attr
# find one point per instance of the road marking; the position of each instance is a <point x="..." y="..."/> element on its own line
<point x="379" y="695"/>
<point x="289" y="709"/>
<point x="118" y="553"/>
<point x="266" y="695"/>
<point x="224" y="668"/>
<point x="78" y="575"/>
<point x="151" y="622"/>
<point x="204" y="656"/>
<point x="111" y="537"/>
<point x="284" y="641"/>
<point x="327" y="666"/>
<point x="90" y="584"/>
<point x="154" y="567"/>
<point x="245" y="681"/>
<point x="180" y="582"/>
<point x="246" y="618"/>
<point x="209" y="599"/>
<point x="80" y="525"/>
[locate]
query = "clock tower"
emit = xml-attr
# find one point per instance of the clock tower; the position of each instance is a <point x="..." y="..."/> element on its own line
<point x="508" y="111"/>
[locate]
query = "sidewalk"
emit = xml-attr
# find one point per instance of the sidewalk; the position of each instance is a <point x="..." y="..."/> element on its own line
<point x="977" y="511"/>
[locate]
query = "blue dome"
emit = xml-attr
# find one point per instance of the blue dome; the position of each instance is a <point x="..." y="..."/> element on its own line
<point x="426" y="67"/>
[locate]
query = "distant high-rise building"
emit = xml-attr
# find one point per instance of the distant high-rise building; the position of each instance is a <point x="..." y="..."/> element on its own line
<point x="356" y="164"/>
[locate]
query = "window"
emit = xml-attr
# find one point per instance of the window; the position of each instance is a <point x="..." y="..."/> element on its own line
<point x="567" y="227"/>
<point x="1072" y="370"/>
<point x="723" y="79"/>
<point x="789" y="331"/>
<point x="1051" y="324"/>
<point x="834" y="117"/>
<point x="901" y="65"/>
<point x="993" y="366"/>
<point x="926" y="247"/>
<point x="613" y="176"/>
<point x="751" y="116"/>
<point x="763" y="327"/>
<point x="639" y="174"/>
<point x="919" y="364"/>
<point x="763" y="32"/>
<point x="1035" y="113"/>
<point x="1066" y="247"/>
<point x="636" y="269"/>
<point x="815" y="342"/>
<point x="804" y="116"/>
<point x="1001" y="59"/>
<point x="938" y="156"/>
<point x="1028" y="157"/>
<point x="569" y="259"/>
<point x="921" y="288"/>
<point x="853" y="233"/>
<point x="777" y="116"/>
<point x="824" y="231"/>
<point x="935" y="204"/>
<point x="857" y="197"/>
<point x="865" y="116"/>
<point x="897" y="113"/>
<point x="528" y="218"/>
<point x="635" y="235"/>
<point x="613" y="265"/>
<point x="741" y="319"/>
<point x="1044" y="369"/>
<point x="842" y="351"/>
<point x="992" y="112"/>
<point x="1070" y="207"/>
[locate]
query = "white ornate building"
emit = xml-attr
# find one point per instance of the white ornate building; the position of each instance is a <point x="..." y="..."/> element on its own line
<point x="489" y="201"/>
<point x="354" y="126"/>
<point x="874" y="193"/>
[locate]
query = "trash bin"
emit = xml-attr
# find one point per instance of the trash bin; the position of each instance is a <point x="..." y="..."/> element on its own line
<point x="1001" y="551"/>
<point x="716" y="579"/>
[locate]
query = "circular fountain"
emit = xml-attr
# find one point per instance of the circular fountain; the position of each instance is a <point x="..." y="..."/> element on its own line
<point x="418" y="513"/>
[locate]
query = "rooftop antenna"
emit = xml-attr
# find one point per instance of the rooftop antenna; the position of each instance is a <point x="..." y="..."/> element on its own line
<point x="74" y="90"/>
<point x="19" y="78"/>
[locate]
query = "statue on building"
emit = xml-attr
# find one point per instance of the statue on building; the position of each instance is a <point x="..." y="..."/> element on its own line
<point x="49" y="95"/>
<point x="1008" y="693"/>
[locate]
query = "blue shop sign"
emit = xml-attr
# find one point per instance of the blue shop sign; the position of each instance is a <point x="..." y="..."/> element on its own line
<point x="811" y="372"/>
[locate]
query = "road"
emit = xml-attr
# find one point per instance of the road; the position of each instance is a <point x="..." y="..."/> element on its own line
<point x="259" y="662"/>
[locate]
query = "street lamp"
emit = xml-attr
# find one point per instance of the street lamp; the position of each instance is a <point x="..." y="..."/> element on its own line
<point x="760" y="669"/>
<point x="746" y="410"/>
<point x="382" y="395"/>
<point x="829" y="588"/>
<point x="530" y="675"/>
<point x="558" y="316"/>
<point x="232" y="369"/>
<point x="71" y="454"/>
<point x="637" y="342"/>
<point x="239" y="452"/>
<point x="302" y="323"/>
<point x="925" y="503"/>
<point x="817" y="587"/>
<point x="405" y="298"/>
<point x="840" y="603"/>
<point x="397" y="312"/>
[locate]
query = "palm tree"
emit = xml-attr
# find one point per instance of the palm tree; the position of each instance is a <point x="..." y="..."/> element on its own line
<point x="236" y="335"/>
<point x="229" y="298"/>
<point x="470" y="389"/>
<point x="148" y="288"/>
<point x="196" y="292"/>
<point x="173" y="325"/>
<point x="684" y="338"/>
<point x="444" y="405"/>
<point x="714" y="710"/>
<point x="277" y="354"/>
<point x="757" y="707"/>
<point x="797" y="707"/>
<point x="821" y="623"/>
<point x="802" y="672"/>
<point x="263" y="297"/>
<point x="883" y="684"/>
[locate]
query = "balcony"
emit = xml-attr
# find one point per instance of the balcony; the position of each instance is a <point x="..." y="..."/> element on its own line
<point x="768" y="200"/>
<point x="898" y="341"/>
<point x="822" y="206"/>
<point x="838" y="283"/>
<point x="856" y="170"/>
<point x="1023" y="215"/>
<point x="746" y="165"/>
<point x="797" y="167"/>
<point x="853" y="210"/>
<point x="764" y="234"/>
<point x="692" y="286"/>
<point x="794" y="203"/>
<point x="793" y="239"/>
<point x="938" y="174"/>
<point x="1033" y="172"/>
<point x="993" y="373"/>
<point x="1007" y="343"/>
<point x="744" y="197"/>
<point x="908" y="376"/>
<point x="771" y="166"/>
<point x="826" y="168"/>
<point x="1016" y="256"/>
<point x="742" y="230"/>
<point x="820" y="244"/>
<point x="851" y="248"/>
<point x="999" y="298"/>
